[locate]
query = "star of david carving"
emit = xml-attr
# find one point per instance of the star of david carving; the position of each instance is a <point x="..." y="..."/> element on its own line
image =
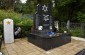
<point x="46" y="17"/>
<point x="8" y="22"/>
<point x="45" y="8"/>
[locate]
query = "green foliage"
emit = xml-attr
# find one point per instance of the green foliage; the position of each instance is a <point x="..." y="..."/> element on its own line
<point x="64" y="10"/>
<point x="81" y="16"/>
<point x="8" y="14"/>
<point x="29" y="7"/>
<point x="69" y="10"/>
<point x="77" y="32"/>
<point x="18" y="6"/>
<point x="7" y="4"/>
<point x="73" y="10"/>
<point x="24" y="23"/>
<point x="61" y="3"/>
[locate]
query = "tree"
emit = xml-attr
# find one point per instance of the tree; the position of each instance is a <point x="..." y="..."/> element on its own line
<point x="17" y="6"/>
<point x="6" y="4"/>
<point x="69" y="9"/>
<point x="29" y="7"/>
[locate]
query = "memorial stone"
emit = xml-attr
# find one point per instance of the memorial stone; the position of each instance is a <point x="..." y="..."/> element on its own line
<point x="8" y="30"/>
<point x="57" y="25"/>
<point x="43" y="34"/>
<point x="68" y="24"/>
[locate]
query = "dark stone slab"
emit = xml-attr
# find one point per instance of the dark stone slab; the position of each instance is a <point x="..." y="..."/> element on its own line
<point x="47" y="42"/>
<point x="82" y="52"/>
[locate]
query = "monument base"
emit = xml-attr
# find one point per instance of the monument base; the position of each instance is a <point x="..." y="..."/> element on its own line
<point x="47" y="42"/>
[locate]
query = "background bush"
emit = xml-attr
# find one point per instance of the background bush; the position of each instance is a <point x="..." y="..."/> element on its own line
<point x="23" y="22"/>
<point x="25" y="25"/>
<point x="77" y="32"/>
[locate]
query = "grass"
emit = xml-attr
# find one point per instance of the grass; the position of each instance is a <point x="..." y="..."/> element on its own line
<point x="77" y="32"/>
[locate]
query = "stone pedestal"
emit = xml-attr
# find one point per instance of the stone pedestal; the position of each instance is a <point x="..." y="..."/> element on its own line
<point x="47" y="42"/>
<point x="8" y="30"/>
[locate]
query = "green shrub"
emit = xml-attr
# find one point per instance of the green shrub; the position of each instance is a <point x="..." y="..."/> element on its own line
<point x="24" y="23"/>
<point x="8" y="14"/>
<point x="77" y="32"/>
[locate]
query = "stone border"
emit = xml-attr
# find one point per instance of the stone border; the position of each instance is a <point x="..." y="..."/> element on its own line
<point x="78" y="38"/>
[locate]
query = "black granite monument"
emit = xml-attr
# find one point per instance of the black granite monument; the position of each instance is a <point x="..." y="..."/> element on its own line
<point x="43" y="34"/>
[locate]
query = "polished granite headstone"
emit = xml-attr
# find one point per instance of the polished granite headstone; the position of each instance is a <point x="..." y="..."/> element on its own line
<point x="42" y="34"/>
<point x="43" y="17"/>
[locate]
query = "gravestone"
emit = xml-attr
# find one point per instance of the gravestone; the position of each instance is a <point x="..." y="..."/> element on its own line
<point x="43" y="18"/>
<point x="43" y="34"/>
<point x="8" y="30"/>
<point x="57" y="25"/>
<point x="68" y="24"/>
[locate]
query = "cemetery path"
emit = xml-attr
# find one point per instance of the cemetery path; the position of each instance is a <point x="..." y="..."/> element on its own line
<point x="23" y="47"/>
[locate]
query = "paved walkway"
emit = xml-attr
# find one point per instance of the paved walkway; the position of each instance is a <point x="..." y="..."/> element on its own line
<point x="23" y="47"/>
